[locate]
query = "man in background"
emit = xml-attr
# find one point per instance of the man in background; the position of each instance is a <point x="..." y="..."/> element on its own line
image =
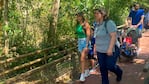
<point x="137" y="17"/>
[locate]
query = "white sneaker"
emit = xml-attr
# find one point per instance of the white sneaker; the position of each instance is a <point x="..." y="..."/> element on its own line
<point x="87" y="73"/>
<point x="92" y="70"/>
<point x="138" y="51"/>
<point x="82" y="77"/>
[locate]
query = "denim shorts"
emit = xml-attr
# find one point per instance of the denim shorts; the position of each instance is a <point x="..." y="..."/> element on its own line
<point x="82" y="44"/>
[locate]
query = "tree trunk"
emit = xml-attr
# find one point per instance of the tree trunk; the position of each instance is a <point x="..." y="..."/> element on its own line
<point x="52" y="38"/>
<point x="6" y="47"/>
<point x="1" y="8"/>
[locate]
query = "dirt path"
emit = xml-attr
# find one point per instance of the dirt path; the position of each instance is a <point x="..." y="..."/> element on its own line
<point x="133" y="72"/>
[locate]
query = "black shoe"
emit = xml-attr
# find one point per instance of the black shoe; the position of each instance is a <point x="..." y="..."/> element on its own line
<point x="119" y="77"/>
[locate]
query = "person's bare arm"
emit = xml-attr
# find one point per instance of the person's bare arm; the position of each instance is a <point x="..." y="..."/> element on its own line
<point x="141" y="21"/>
<point x="121" y="40"/>
<point x="88" y="33"/>
<point x="95" y="50"/>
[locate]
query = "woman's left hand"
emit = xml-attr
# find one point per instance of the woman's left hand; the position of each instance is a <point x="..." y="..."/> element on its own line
<point x="86" y="48"/>
<point x="109" y="52"/>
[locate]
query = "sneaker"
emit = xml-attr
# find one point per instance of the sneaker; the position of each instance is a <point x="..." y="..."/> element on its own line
<point x="139" y="49"/>
<point x="92" y="71"/>
<point x="82" y="77"/>
<point x="87" y="73"/>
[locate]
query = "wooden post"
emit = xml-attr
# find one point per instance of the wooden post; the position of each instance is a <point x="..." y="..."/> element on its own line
<point x="75" y="69"/>
<point x="45" y="58"/>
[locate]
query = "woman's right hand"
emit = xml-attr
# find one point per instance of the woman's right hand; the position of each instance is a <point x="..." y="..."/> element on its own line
<point x="109" y="52"/>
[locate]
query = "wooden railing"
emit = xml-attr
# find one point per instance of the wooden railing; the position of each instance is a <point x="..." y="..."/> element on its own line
<point x="68" y="53"/>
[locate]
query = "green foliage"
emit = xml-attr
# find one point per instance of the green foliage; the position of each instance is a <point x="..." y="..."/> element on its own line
<point x="6" y="28"/>
<point x="29" y="20"/>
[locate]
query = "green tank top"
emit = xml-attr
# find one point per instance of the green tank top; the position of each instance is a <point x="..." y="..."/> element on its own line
<point x="80" y="31"/>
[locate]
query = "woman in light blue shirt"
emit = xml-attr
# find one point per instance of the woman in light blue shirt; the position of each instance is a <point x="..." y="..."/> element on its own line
<point x="105" y="35"/>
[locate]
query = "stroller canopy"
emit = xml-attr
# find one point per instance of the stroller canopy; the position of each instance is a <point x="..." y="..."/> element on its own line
<point x="133" y="32"/>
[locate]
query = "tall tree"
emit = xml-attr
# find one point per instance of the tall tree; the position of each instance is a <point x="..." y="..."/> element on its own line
<point x="6" y="47"/>
<point x="1" y="8"/>
<point x="53" y="23"/>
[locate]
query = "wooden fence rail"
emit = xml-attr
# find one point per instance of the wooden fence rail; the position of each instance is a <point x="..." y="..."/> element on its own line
<point x="70" y="49"/>
<point x="33" y="62"/>
<point x="9" y="60"/>
<point x="35" y="70"/>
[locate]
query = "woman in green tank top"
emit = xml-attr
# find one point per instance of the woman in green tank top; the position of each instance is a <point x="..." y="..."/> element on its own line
<point x="83" y="34"/>
<point x="80" y="31"/>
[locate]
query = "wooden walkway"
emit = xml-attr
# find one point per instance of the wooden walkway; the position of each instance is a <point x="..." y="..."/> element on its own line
<point x="133" y="72"/>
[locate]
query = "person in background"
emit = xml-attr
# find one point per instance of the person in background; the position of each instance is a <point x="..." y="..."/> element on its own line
<point x="128" y="41"/>
<point x="92" y="55"/>
<point x="137" y="18"/>
<point x="83" y="34"/>
<point x="146" y="20"/>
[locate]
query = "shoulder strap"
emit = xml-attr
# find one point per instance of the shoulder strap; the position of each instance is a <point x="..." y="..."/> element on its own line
<point x="106" y="21"/>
